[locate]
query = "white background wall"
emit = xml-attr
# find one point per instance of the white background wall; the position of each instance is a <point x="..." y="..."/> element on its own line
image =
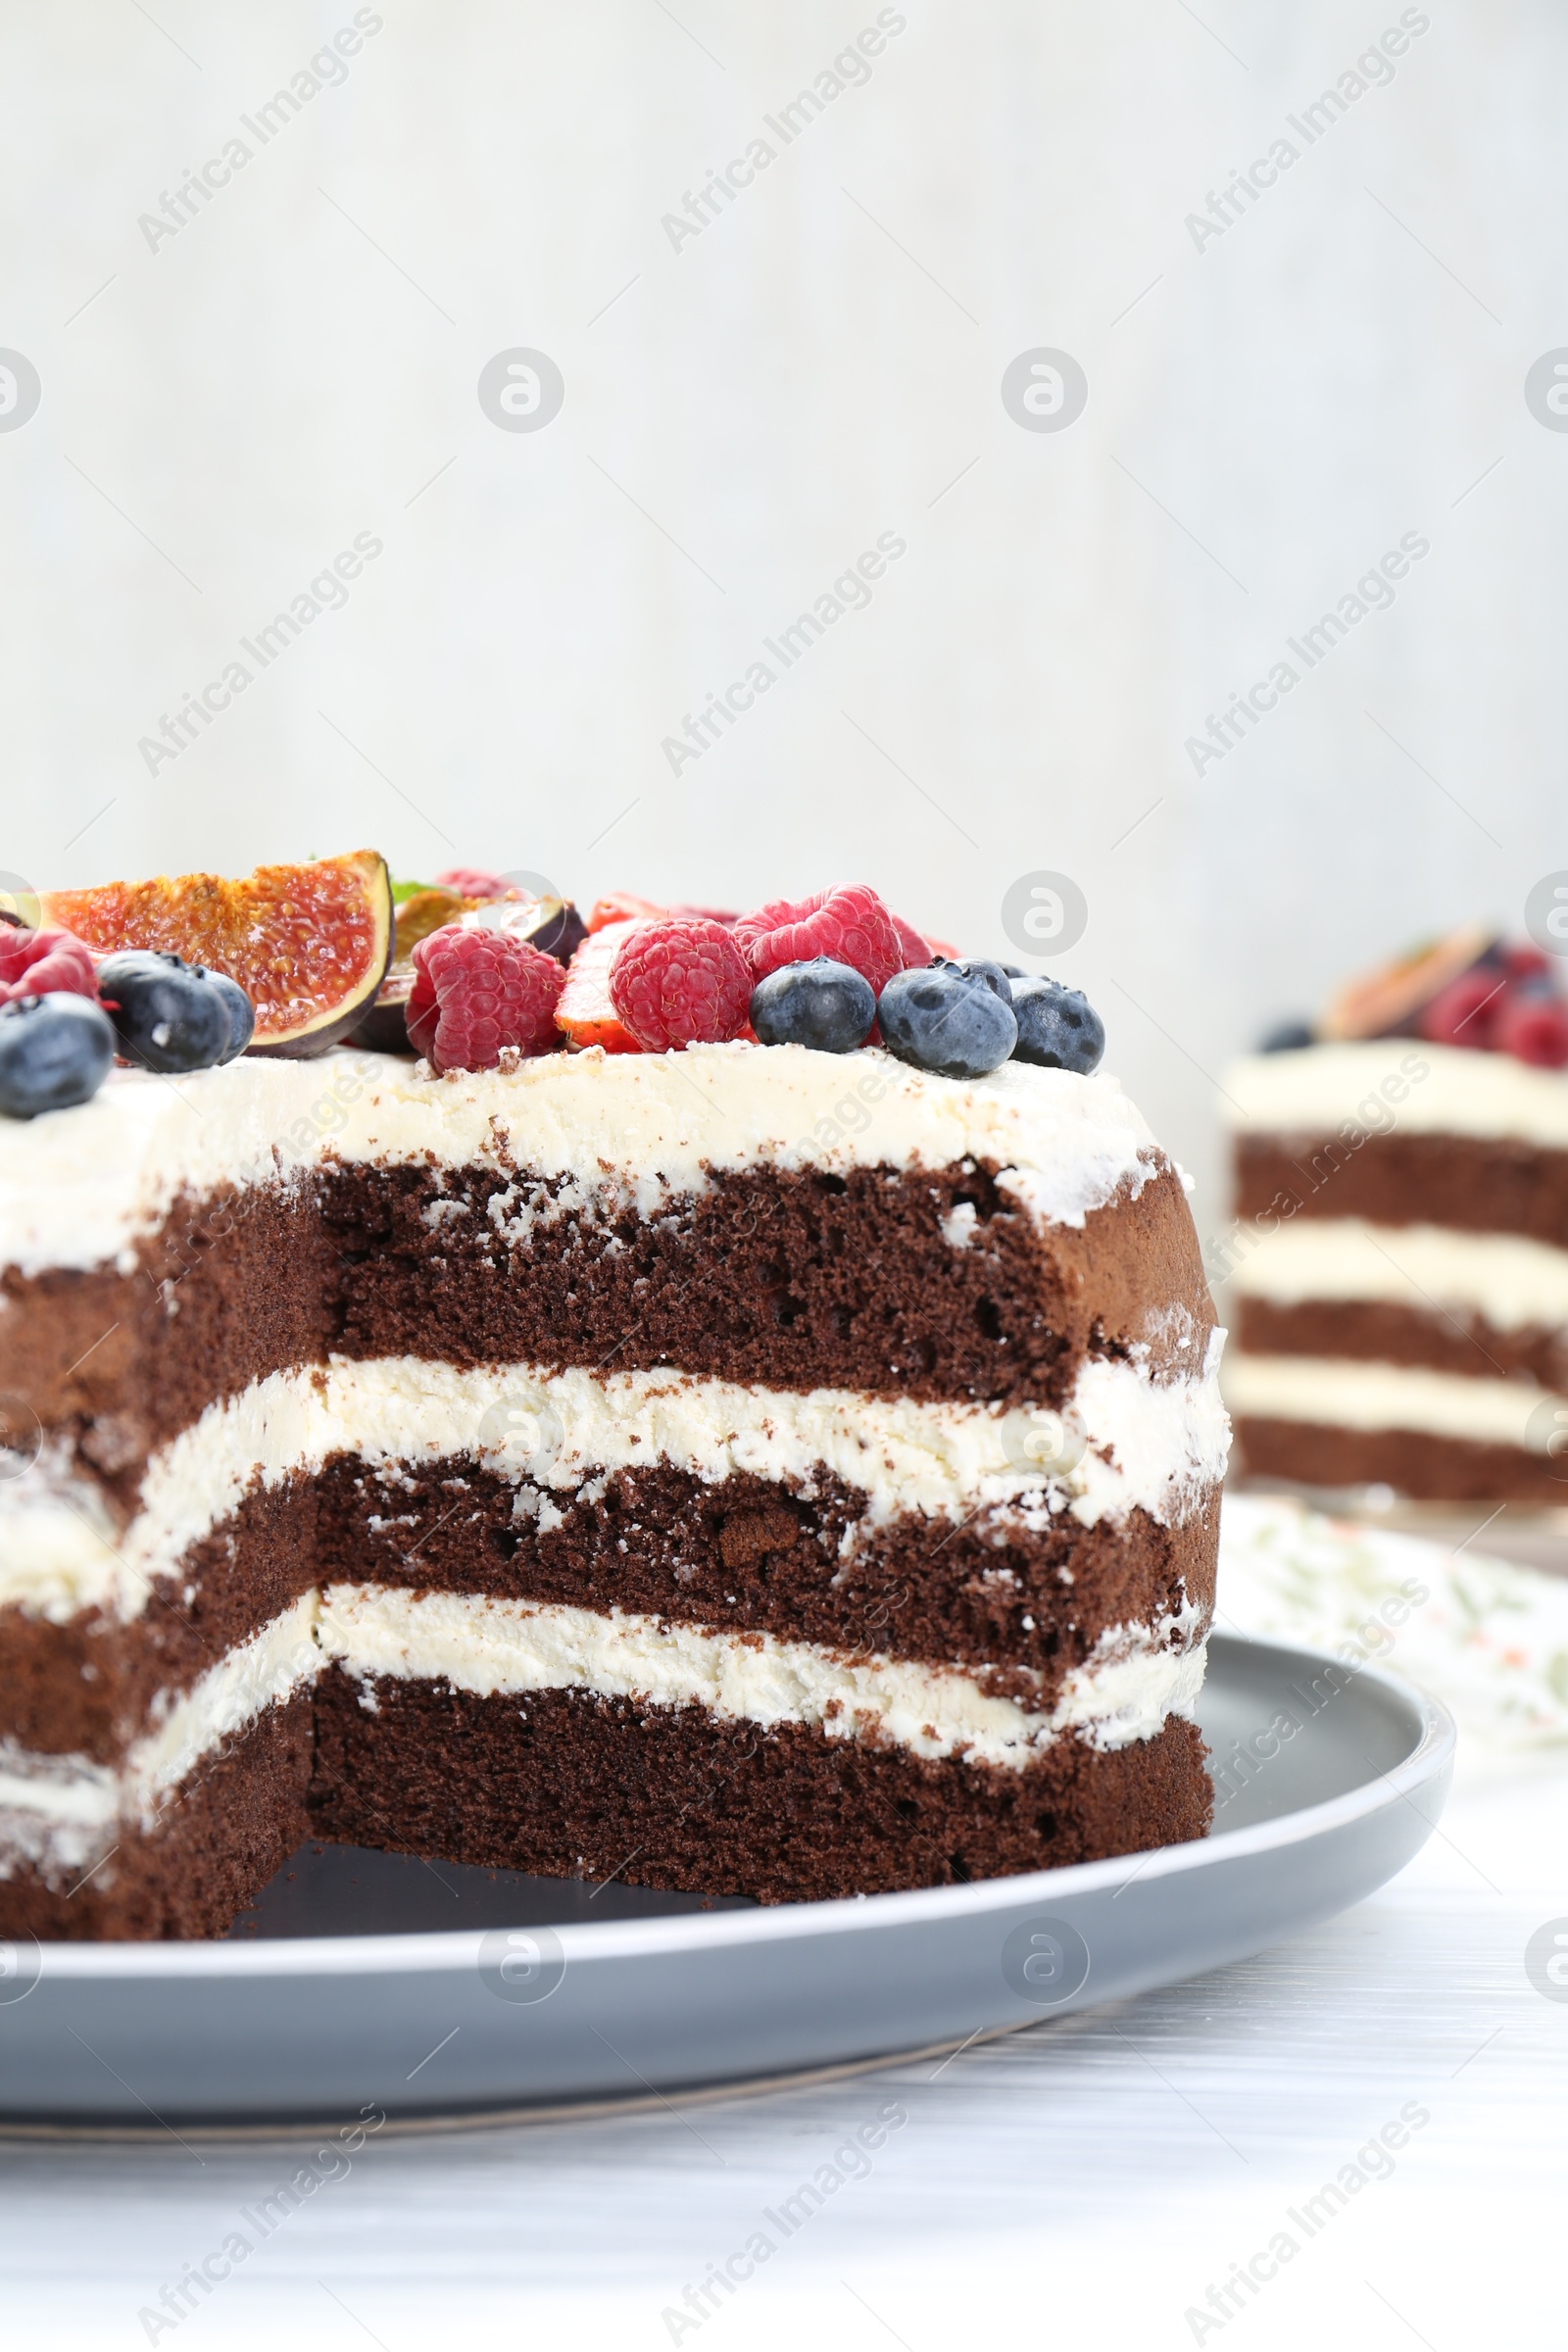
<point x="745" y="414"/>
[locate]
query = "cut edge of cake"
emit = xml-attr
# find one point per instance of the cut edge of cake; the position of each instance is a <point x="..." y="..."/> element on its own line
<point x="971" y="1718"/>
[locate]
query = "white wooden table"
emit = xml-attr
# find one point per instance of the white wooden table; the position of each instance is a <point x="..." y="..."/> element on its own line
<point x="1081" y="2183"/>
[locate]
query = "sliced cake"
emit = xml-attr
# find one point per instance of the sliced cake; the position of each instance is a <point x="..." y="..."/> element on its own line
<point x="783" y="1469"/>
<point x="1398" y="1274"/>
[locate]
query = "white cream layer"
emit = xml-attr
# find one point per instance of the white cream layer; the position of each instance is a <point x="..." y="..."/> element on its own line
<point x="1511" y="1282"/>
<point x="63" y="1813"/>
<point x="79" y="1188"/>
<point x="1127" y="1442"/>
<point x="1124" y="1692"/>
<point x="1398" y="1082"/>
<point x="1341" y="1394"/>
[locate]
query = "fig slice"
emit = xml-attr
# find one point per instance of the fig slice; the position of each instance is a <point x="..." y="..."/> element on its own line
<point x="310" y="945"/>
<point x="1383" y="1003"/>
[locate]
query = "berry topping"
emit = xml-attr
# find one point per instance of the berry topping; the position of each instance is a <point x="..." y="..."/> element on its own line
<point x="473" y="882"/>
<point x="242" y="1014"/>
<point x="37" y="963"/>
<point x="167" y="1015"/>
<point x="54" y="1051"/>
<point x="826" y="1005"/>
<point x="947" y="1020"/>
<point x="709" y="914"/>
<point x="475" y="991"/>
<point x="585" y="1013"/>
<point x="681" y="982"/>
<point x="850" y="924"/>
<point x="623" y="907"/>
<point x="1465" y="1012"/>
<point x="995" y="976"/>
<point x="917" y="952"/>
<point x="1058" y="1029"/>
<point x="1533" y="1026"/>
<point x="551" y="925"/>
<point x="1288" y="1037"/>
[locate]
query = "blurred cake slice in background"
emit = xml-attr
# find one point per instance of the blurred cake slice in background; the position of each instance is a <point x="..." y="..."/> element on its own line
<point x="1398" y="1277"/>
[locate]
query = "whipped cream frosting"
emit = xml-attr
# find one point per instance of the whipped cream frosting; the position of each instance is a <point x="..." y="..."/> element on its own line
<point x="79" y="1188"/>
<point x="63" y="1814"/>
<point x="1127" y="1441"/>
<point x="1396" y="1082"/>
<point x="1511" y="1282"/>
<point x="60" y="1813"/>
<point x="1338" y="1393"/>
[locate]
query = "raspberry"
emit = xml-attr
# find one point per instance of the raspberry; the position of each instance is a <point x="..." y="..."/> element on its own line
<point x="44" y="964"/>
<point x="707" y="915"/>
<point x="680" y="983"/>
<point x="916" y="950"/>
<point x="1533" y="1028"/>
<point x="473" y="882"/>
<point x="850" y="924"/>
<point x="1465" y="1012"/>
<point x="477" y="991"/>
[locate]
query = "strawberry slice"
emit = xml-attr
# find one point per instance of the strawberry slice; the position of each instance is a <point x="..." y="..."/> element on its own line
<point x="620" y="907"/>
<point x="584" y="1012"/>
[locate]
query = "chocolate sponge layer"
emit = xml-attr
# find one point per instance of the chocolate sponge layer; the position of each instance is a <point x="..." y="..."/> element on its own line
<point x="1376" y="1331"/>
<point x="1473" y="1184"/>
<point x="793" y="1281"/>
<point x="570" y="1785"/>
<point x="744" y="1556"/>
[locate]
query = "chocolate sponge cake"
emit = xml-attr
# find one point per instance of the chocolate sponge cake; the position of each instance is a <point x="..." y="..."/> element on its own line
<point x="752" y="1470"/>
<point x="1400" y="1266"/>
<point x="1400" y="1257"/>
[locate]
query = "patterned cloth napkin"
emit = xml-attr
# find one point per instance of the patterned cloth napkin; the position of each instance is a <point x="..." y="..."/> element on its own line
<point x="1490" y="1640"/>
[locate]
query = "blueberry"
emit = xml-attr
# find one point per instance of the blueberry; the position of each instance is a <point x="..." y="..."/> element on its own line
<point x="947" y="1019"/>
<point x="54" y="1051"/>
<point x="167" y="1015"/>
<point x="827" y="1005"/>
<point x="996" y="976"/>
<point x="1058" y="1029"/>
<point x="1288" y="1037"/>
<point x="241" y="1013"/>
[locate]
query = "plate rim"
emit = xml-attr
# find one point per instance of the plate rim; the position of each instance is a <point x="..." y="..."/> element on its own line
<point x="582" y="1942"/>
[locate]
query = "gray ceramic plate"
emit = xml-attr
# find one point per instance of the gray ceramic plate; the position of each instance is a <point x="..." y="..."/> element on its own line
<point x="371" y="1985"/>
